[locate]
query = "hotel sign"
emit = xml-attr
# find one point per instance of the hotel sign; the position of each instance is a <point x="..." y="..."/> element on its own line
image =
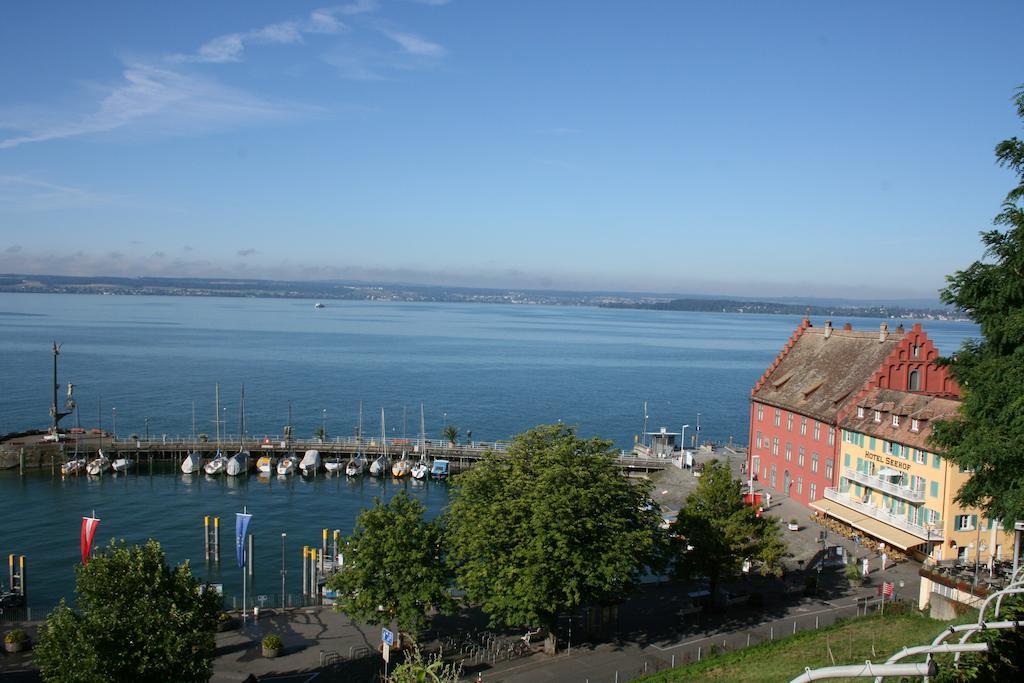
<point x="888" y="461"/>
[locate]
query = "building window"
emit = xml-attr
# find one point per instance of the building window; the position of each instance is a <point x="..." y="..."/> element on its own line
<point x="860" y="412"/>
<point x="831" y="436"/>
<point x="789" y="451"/>
<point x="803" y="426"/>
<point x="758" y="439"/>
<point x="935" y="489"/>
<point x="878" y="416"/>
<point x="914" y="381"/>
<point x="817" y="431"/>
<point x="914" y="427"/>
<point x="778" y="417"/>
<point x="800" y="485"/>
<point x="813" y="491"/>
<point x="814" y="462"/>
<point x="895" y="420"/>
<point x="760" y="412"/>
<point x="775" y="446"/>
<point x="916" y="351"/>
<point x="789" y="422"/>
<point x="965" y="522"/>
<point x="921" y="457"/>
<point x="828" y="468"/>
<point x="800" y="457"/>
<point x="846" y="459"/>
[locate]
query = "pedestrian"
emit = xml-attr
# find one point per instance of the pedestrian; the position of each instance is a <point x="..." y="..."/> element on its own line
<point x="768" y="499"/>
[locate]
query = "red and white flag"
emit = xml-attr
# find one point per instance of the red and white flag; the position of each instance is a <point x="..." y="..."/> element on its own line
<point x="887" y="589"/>
<point x="89" y="525"/>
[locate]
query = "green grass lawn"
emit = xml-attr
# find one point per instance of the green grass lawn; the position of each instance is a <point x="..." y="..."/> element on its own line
<point x="875" y="638"/>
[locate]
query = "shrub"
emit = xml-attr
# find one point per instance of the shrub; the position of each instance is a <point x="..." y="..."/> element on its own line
<point x="272" y="642"/>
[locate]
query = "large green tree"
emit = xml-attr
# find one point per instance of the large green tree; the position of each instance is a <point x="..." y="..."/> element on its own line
<point x="393" y="571"/>
<point x="548" y="526"/>
<point x="135" y="619"/>
<point x="716" y="532"/>
<point x="989" y="436"/>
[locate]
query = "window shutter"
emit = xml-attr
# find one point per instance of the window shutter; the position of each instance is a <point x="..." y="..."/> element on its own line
<point x="956" y="523"/>
<point x="974" y="521"/>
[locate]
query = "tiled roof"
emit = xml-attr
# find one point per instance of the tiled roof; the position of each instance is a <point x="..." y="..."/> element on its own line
<point x="822" y="368"/>
<point x="925" y="409"/>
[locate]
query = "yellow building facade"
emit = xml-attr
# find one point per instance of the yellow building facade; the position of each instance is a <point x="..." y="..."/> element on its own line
<point x="891" y="486"/>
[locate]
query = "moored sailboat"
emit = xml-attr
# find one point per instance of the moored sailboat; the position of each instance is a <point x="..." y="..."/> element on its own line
<point x="192" y="463"/>
<point x="98" y="465"/>
<point x="288" y="464"/>
<point x="310" y="463"/>
<point x="237" y="464"/>
<point x="217" y="464"/>
<point x="265" y="464"/>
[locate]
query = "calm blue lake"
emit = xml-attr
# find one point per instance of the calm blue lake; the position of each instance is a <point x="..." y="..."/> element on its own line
<point x="494" y="370"/>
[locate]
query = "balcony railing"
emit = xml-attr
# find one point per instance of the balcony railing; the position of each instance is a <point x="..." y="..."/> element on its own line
<point x="879" y="484"/>
<point x="898" y="521"/>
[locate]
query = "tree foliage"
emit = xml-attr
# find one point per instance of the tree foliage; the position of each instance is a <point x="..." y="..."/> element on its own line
<point x="136" y="619"/>
<point x="393" y="566"/>
<point x="716" y="532"/>
<point x="548" y="526"/>
<point x="989" y="437"/>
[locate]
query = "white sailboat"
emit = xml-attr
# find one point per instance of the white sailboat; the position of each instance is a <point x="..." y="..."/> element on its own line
<point x="380" y="465"/>
<point x="192" y="463"/>
<point x="265" y="464"/>
<point x="121" y="465"/>
<point x="420" y="469"/>
<point x="288" y="464"/>
<point x="401" y="467"/>
<point x="239" y="462"/>
<point x="72" y="466"/>
<point x="357" y="463"/>
<point x="98" y="465"/>
<point x="334" y="464"/>
<point x="310" y="462"/>
<point x="217" y="464"/>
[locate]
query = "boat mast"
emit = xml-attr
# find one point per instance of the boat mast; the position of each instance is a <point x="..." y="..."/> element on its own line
<point x="288" y="428"/>
<point x="193" y="420"/>
<point x="383" y="435"/>
<point x="241" y="419"/>
<point x="216" y="408"/>
<point x="643" y="434"/>
<point x="423" y="435"/>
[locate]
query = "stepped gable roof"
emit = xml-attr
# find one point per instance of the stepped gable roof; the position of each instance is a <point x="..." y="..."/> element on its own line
<point x="921" y="407"/>
<point x="822" y="368"/>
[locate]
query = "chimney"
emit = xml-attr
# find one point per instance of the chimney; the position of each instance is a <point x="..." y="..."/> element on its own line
<point x="899" y="329"/>
<point x="828" y="329"/>
<point x="847" y="327"/>
<point x="883" y="332"/>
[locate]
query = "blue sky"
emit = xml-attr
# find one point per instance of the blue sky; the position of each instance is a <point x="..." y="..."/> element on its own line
<point x="753" y="148"/>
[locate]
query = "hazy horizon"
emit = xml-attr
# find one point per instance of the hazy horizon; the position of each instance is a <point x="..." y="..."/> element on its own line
<point x="845" y="150"/>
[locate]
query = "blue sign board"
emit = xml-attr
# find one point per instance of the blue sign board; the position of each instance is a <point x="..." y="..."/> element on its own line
<point x="387" y="636"/>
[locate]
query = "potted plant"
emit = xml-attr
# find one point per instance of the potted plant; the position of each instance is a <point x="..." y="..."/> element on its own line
<point x="15" y="641"/>
<point x="854" y="574"/>
<point x="225" y="622"/>
<point x="272" y="646"/>
<point x="794" y="525"/>
<point x="451" y="433"/>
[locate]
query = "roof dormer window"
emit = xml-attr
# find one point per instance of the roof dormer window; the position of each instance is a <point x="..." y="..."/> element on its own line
<point x="878" y="416"/>
<point x="914" y="425"/>
<point x="895" y="420"/>
<point x="860" y="412"/>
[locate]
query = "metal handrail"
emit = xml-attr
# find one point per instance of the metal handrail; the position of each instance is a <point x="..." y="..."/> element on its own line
<point x="880" y="484"/>
<point x="883" y="516"/>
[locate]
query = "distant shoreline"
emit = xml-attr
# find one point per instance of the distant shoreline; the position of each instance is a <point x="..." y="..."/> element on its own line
<point x="328" y="291"/>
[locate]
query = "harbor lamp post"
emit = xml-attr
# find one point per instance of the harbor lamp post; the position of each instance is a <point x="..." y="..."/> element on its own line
<point x="323" y="425"/>
<point x="114" y="411"/>
<point x="444" y="422"/>
<point x="147" y="429"/>
<point x="283" y="570"/>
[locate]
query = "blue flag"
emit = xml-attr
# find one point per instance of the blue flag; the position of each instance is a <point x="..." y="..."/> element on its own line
<point x="241" y="529"/>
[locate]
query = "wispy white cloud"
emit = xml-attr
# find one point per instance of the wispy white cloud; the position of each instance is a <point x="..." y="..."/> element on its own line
<point x="414" y="44"/>
<point x="171" y="100"/>
<point x="359" y="7"/>
<point x="24" y="193"/>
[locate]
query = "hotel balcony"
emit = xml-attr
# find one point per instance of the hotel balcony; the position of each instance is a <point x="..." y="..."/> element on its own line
<point x="896" y="521"/>
<point x="880" y="484"/>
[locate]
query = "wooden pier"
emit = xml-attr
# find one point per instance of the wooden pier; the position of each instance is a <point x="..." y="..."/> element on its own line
<point x="33" y="451"/>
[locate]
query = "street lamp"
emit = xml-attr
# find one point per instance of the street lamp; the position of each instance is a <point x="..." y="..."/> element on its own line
<point x="283" y="570"/>
<point x="696" y="436"/>
<point x="323" y="424"/>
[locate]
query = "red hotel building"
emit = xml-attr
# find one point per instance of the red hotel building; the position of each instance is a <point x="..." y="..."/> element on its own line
<point x="796" y="405"/>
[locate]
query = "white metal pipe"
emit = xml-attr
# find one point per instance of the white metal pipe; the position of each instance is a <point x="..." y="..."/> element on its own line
<point x="945" y="648"/>
<point x="867" y="669"/>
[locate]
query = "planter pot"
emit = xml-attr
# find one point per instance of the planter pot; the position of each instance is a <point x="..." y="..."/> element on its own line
<point x="270" y="653"/>
<point x="16" y="646"/>
<point x="793" y="527"/>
